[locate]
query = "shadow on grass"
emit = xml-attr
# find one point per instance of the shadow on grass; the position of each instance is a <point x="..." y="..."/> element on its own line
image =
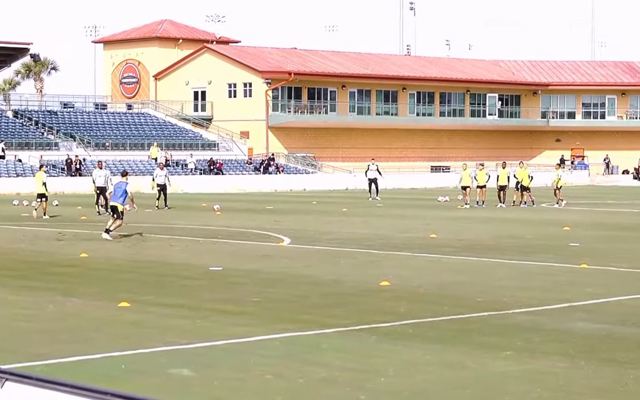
<point x="129" y="235"/>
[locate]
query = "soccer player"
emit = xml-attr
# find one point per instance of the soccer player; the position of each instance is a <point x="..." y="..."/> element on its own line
<point x="557" y="187"/>
<point x="482" y="178"/>
<point x="466" y="181"/>
<point x="372" y="173"/>
<point x="516" y="189"/>
<point x="525" y="187"/>
<point x="42" y="193"/>
<point x="503" y="184"/>
<point x="101" y="183"/>
<point x="118" y="199"/>
<point x="160" y="180"/>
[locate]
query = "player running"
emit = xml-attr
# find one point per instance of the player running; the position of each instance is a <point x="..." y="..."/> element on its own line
<point x="118" y="199"/>
<point x="557" y="187"/>
<point x="503" y="184"/>
<point x="372" y="173"/>
<point x="482" y="178"/>
<point x="516" y="189"/>
<point x="466" y="181"/>
<point x="160" y="180"/>
<point x="525" y="187"/>
<point x="101" y="183"/>
<point x="42" y="193"/>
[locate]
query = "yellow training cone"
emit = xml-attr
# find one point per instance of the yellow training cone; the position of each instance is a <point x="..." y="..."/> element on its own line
<point x="459" y="206"/>
<point x="385" y="283"/>
<point x="566" y="228"/>
<point x="204" y="205"/>
<point x="124" y="304"/>
<point x="84" y="255"/>
<point x="282" y="244"/>
<point x="218" y="213"/>
<point x="79" y="208"/>
<point x="344" y="209"/>
<point x="584" y="266"/>
<point x="433" y="235"/>
<point x="83" y="217"/>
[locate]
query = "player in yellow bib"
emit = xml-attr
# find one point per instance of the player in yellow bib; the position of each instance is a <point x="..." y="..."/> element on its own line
<point x="466" y="181"/>
<point x="516" y="188"/>
<point x="557" y="187"/>
<point x="42" y="193"/>
<point x="503" y="184"/>
<point x="482" y="178"/>
<point x="525" y="187"/>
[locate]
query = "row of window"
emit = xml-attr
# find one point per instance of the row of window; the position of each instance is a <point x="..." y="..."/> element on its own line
<point x="247" y="90"/>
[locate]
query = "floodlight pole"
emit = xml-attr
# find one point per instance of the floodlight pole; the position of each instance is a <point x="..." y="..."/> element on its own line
<point x="94" y="31"/>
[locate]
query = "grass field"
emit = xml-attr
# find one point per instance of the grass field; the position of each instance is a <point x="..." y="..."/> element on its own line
<point x="54" y="304"/>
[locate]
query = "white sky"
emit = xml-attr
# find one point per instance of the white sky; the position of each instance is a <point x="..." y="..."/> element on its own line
<point x="497" y="29"/>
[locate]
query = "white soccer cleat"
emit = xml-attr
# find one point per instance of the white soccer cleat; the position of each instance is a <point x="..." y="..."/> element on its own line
<point x="45" y="217"/>
<point x="370" y="198"/>
<point x="377" y="198"/>
<point x="564" y="203"/>
<point x="106" y="236"/>
<point x="556" y="206"/>
<point x="35" y="214"/>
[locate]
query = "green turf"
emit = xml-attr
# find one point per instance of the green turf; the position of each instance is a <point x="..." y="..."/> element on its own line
<point x="54" y="304"/>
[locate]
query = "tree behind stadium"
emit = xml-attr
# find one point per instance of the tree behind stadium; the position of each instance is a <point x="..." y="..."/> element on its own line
<point x="36" y="70"/>
<point x="7" y="86"/>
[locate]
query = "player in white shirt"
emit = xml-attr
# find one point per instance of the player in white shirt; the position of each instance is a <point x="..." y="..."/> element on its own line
<point x="191" y="163"/>
<point x="101" y="184"/>
<point x="372" y="173"/>
<point x="160" y="181"/>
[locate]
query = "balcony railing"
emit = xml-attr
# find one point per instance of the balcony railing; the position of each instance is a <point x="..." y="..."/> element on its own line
<point x="329" y="109"/>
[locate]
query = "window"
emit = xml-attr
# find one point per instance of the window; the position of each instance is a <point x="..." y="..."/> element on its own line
<point x="452" y="104"/>
<point x="422" y="104"/>
<point x="247" y="90"/>
<point x="387" y="102"/>
<point x="509" y="106"/>
<point x="553" y="106"/>
<point x="322" y="100"/>
<point x="360" y="102"/>
<point x="478" y="105"/>
<point x="594" y="107"/>
<point x="232" y="90"/>
<point x="199" y="101"/>
<point x="634" y="108"/>
<point x="286" y="100"/>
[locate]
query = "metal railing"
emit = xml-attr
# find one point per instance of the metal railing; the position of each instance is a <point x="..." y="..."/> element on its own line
<point x="471" y="112"/>
<point x="31" y="145"/>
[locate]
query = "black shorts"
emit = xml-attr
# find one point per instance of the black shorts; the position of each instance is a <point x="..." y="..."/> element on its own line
<point x="503" y="188"/>
<point x="465" y="188"/>
<point x="481" y="187"/>
<point x="517" y="187"/>
<point x="101" y="190"/>
<point x="117" y="212"/>
<point x="42" y="198"/>
<point x="525" y="189"/>
<point x="161" y="186"/>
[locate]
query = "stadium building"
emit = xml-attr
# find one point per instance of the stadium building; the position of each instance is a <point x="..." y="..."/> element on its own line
<point x="348" y="107"/>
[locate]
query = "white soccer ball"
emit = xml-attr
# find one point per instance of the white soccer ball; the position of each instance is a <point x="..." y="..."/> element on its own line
<point x="216" y="208"/>
<point x="440" y="199"/>
<point x="127" y="207"/>
<point x="446" y="199"/>
<point x="34" y="203"/>
<point x="55" y="203"/>
<point x="16" y="202"/>
<point x="25" y="203"/>
<point x="459" y="197"/>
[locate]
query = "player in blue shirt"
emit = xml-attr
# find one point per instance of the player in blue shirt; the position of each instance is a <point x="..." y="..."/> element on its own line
<point x="118" y="199"/>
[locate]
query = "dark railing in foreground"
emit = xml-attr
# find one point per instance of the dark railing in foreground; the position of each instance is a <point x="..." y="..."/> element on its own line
<point x="50" y="388"/>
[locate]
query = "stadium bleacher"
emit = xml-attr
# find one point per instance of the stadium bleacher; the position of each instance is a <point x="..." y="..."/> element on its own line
<point x="113" y="130"/>
<point x="16" y="169"/>
<point x="18" y="136"/>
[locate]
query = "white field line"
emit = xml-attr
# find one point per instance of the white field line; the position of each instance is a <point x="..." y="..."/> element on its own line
<point x="551" y="205"/>
<point x="345" y="249"/>
<point x="317" y="332"/>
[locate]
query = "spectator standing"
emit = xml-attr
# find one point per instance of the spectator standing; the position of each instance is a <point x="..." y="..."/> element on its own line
<point x="249" y="162"/>
<point x="154" y="151"/>
<point x="167" y="159"/>
<point x="607" y="165"/>
<point x="191" y="164"/>
<point x="563" y="162"/>
<point x="3" y="150"/>
<point x="77" y="166"/>
<point x="219" y="167"/>
<point x="211" y="166"/>
<point x="68" y="165"/>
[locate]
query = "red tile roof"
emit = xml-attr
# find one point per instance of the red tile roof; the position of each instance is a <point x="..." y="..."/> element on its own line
<point x="271" y="62"/>
<point x="166" y="29"/>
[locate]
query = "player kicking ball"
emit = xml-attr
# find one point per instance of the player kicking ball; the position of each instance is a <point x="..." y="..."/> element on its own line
<point x="117" y="201"/>
<point x="557" y="187"/>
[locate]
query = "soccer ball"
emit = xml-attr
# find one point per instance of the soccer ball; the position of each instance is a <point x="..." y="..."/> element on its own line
<point x="127" y="207"/>
<point x="16" y="202"/>
<point x="25" y="203"/>
<point x="34" y="203"/>
<point x="216" y="208"/>
<point x="459" y="197"/>
<point x="440" y="199"/>
<point x="55" y="203"/>
<point x="446" y="199"/>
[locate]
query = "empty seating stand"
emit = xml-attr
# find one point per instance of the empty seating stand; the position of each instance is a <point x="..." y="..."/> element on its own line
<point x="15" y="169"/>
<point x="121" y="131"/>
<point x="18" y="136"/>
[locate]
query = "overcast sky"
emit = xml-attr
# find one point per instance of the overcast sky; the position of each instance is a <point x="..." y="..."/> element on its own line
<point x="496" y="29"/>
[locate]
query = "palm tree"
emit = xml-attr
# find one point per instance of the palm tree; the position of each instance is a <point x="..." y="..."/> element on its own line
<point x="36" y="70"/>
<point x="7" y="86"/>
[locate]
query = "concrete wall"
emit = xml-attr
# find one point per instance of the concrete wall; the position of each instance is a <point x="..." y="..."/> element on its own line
<point x="271" y="183"/>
